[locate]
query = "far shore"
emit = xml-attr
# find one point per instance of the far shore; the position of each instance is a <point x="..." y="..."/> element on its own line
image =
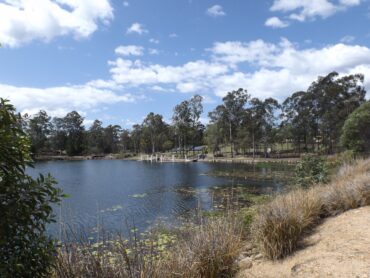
<point x="238" y="159"/>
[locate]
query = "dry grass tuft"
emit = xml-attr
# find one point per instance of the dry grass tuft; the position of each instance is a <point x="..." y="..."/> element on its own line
<point x="279" y="225"/>
<point x="207" y="250"/>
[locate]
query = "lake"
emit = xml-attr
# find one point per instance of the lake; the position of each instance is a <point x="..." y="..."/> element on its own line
<point x="116" y="194"/>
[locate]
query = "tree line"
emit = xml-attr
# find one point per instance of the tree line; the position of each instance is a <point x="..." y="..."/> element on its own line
<point x="306" y="121"/>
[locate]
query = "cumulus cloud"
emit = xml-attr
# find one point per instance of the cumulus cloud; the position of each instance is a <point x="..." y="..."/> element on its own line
<point x="303" y="10"/>
<point x="216" y="11"/>
<point x="60" y="100"/>
<point x="136" y="28"/>
<point x="136" y="73"/>
<point x="276" y="22"/>
<point x="265" y="69"/>
<point x="22" y="21"/>
<point x="129" y="50"/>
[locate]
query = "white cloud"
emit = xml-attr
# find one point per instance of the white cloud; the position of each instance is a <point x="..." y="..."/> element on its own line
<point x="126" y="4"/>
<point x="283" y="68"/>
<point x="136" y="28"/>
<point x="347" y="39"/>
<point x="22" y="21"/>
<point x="155" y="41"/>
<point x="216" y="11"/>
<point x="350" y="2"/>
<point x="173" y="35"/>
<point x="58" y="101"/>
<point x="276" y="22"/>
<point x="303" y="10"/>
<point x="130" y="50"/>
<point x="153" y="51"/>
<point x="265" y="69"/>
<point x="185" y="77"/>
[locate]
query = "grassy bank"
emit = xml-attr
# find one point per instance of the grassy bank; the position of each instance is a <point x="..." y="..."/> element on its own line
<point x="279" y="225"/>
<point x="212" y="246"/>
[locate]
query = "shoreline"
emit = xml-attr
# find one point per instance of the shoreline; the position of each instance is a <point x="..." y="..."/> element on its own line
<point x="236" y="160"/>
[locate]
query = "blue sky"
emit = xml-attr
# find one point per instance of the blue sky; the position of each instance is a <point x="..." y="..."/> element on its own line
<point x="119" y="60"/>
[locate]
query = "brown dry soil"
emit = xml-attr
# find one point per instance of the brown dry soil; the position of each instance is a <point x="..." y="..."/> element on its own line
<point x="339" y="247"/>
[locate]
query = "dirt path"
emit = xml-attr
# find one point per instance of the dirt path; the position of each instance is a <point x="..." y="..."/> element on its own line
<point x="340" y="247"/>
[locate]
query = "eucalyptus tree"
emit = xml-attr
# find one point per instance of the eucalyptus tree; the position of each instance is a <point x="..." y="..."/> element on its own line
<point x="155" y="128"/>
<point x="336" y="99"/>
<point x="182" y="121"/>
<point x="135" y="136"/>
<point x="58" y="135"/>
<point x="318" y="114"/>
<point x="39" y="130"/>
<point x="197" y="128"/>
<point x="95" y="137"/>
<point x="75" y="131"/>
<point x="125" y="140"/>
<point x="111" y="138"/>
<point x="262" y="120"/>
<point x="299" y="111"/>
<point x="229" y="115"/>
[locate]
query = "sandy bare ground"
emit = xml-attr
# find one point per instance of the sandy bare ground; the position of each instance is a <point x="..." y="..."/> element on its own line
<point x="340" y="247"/>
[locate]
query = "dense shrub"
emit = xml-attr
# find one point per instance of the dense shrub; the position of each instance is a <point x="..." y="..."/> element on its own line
<point x="310" y="170"/>
<point x="25" y="204"/>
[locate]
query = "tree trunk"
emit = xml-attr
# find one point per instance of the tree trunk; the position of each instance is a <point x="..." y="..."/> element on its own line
<point x="231" y="141"/>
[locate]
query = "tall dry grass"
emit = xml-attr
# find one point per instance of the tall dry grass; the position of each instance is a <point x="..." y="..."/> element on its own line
<point x="207" y="250"/>
<point x="279" y="226"/>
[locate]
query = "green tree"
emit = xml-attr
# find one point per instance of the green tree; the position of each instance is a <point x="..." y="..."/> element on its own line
<point x="75" y="131"/>
<point x="111" y="138"/>
<point x="155" y="129"/>
<point x="25" y="204"/>
<point x="262" y="121"/>
<point x="356" y="131"/>
<point x="182" y="121"/>
<point x="39" y="130"/>
<point x="95" y="137"/>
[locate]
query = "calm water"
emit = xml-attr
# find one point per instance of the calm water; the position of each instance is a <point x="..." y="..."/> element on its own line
<point x="118" y="193"/>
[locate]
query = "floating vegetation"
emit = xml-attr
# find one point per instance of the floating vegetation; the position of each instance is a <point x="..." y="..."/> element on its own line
<point x="112" y="209"/>
<point x="139" y="195"/>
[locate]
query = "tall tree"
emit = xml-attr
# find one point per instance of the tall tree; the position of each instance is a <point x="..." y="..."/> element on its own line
<point x="111" y="138"/>
<point x="182" y="120"/>
<point x="155" y="127"/>
<point x="231" y="113"/>
<point x="73" y="126"/>
<point x="95" y="137"/>
<point x="39" y="130"/>
<point x="262" y="120"/>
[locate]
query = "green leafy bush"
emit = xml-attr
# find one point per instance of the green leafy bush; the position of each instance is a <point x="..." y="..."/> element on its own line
<point x="25" y="204"/>
<point x="356" y="132"/>
<point x="310" y="170"/>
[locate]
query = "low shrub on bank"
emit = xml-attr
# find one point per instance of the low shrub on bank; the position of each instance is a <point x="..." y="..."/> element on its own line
<point x="279" y="225"/>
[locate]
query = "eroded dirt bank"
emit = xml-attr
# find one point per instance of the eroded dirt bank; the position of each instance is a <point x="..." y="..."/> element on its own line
<point x="339" y="247"/>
